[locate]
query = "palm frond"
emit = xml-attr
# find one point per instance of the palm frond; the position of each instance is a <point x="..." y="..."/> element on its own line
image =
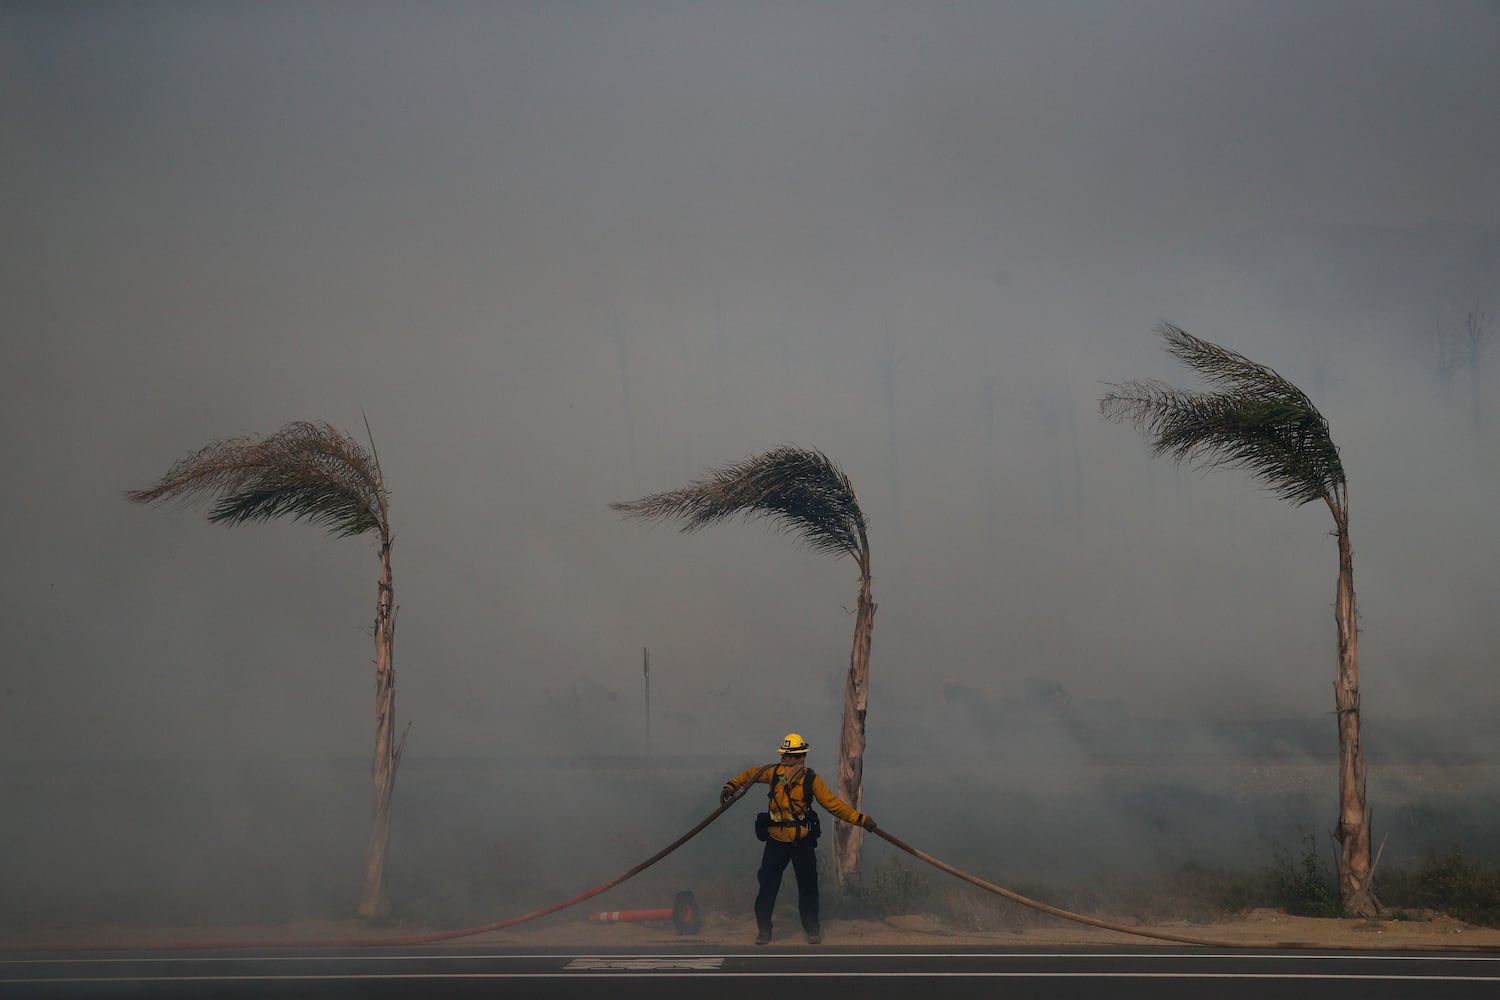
<point x="307" y="471"/>
<point x="800" y="490"/>
<point x="1260" y="422"/>
<point x="1229" y="369"/>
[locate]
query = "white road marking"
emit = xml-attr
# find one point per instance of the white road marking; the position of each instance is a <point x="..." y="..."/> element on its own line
<point x="643" y="964"/>
<point x="694" y="965"/>
<point x="801" y="955"/>
<point x="500" y="976"/>
<point x="824" y="954"/>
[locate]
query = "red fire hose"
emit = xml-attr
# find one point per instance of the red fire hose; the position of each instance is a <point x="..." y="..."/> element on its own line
<point x="371" y="942"/>
<point x="902" y="845"/>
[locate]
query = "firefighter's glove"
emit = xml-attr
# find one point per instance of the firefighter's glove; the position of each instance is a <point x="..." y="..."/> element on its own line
<point x="726" y="795"/>
<point x="868" y="823"/>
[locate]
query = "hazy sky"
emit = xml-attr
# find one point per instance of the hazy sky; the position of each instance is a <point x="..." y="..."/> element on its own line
<point x="562" y="253"/>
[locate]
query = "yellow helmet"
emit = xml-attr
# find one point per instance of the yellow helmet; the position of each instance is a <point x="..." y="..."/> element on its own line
<point x="794" y="743"/>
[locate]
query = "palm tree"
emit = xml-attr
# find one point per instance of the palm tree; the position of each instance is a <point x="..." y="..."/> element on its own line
<point x="315" y="473"/>
<point x="804" y="493"/>
<point x="1260" y="422"/>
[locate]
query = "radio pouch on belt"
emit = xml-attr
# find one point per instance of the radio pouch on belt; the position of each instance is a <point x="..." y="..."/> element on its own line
<point x="814" y="825"/>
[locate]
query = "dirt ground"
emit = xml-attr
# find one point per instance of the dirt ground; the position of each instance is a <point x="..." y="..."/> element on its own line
<point x="1257" y="928"/>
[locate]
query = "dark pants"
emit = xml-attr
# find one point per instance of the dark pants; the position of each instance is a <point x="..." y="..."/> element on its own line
<point x="773" y="862"/>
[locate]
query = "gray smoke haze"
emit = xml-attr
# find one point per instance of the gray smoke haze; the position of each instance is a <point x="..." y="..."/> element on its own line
<point x="567" y="253"/>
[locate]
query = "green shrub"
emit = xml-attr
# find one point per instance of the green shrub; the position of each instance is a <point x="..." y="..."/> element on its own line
<point x="1303" y="886"/>
<point x="1448" y="883"/>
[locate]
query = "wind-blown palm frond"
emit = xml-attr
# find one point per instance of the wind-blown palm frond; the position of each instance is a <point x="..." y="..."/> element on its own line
<point x="1260" y="422"/>
<point x="312" y="472"/>
<point x="801" y="490"/>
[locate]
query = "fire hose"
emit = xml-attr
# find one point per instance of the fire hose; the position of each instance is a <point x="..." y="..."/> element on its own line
<point x="1158" y="935"/>
<point x="974" y="880"/>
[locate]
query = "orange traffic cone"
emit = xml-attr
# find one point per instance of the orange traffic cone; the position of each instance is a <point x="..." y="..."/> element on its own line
<point x="683" y="914"/>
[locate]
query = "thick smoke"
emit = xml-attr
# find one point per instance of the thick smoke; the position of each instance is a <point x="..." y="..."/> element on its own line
<point x="562" y="255"/>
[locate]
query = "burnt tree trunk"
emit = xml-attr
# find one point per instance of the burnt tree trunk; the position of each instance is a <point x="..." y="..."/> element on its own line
<point x="1352" y="834"/>
<point x="848" y="839"/>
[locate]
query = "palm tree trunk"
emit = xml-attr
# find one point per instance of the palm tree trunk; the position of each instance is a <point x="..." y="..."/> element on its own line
<point x="1352" y="835"/>
<point x="847" y="838"/>
<point x="373" y="902"/>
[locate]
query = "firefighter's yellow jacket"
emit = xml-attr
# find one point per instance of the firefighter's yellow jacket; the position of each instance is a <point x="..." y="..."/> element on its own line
<point x="786" y="806"/>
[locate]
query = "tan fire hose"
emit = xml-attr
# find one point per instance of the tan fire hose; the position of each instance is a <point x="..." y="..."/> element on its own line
<point x="1158" y="935"/>
<point x="689" y="835"/>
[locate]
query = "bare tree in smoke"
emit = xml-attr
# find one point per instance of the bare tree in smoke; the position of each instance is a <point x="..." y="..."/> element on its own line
<point x="1448" y="349"/>
<point x="315" y="473"/>
<point x="806" y="494"/>
<point x="1262" y="423"/>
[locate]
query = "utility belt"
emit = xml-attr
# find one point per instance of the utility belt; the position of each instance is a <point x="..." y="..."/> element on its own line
<point x="764" y="823"/>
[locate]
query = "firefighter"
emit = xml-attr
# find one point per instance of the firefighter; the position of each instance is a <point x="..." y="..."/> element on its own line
<point x="790" y="829"/>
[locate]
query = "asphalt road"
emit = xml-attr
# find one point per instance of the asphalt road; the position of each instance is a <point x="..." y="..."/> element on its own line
<point x="731" y="974"/>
